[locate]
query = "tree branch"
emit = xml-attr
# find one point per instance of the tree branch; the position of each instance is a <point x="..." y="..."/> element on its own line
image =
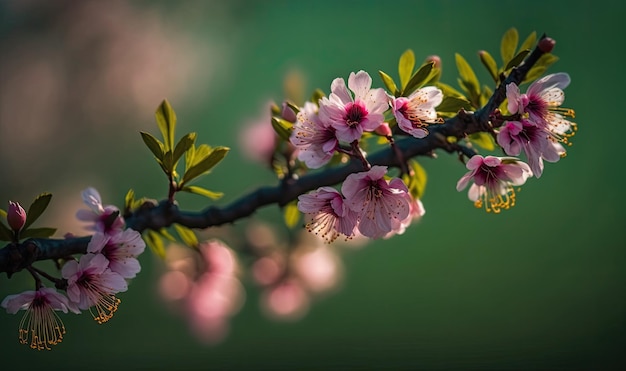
<point x="15" y="257"/>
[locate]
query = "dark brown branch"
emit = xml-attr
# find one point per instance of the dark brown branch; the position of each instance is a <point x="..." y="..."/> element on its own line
<point x="15" y="257"/>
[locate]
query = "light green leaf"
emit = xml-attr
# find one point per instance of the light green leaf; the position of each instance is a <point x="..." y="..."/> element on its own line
<point x="419" y="78"/>
<point x="490" y="64"/>
<point x="515" y="61"/>
<point x="540" y="67"/>
<point x="282" y="127"/>
<point x="168" y="162"/>
<point x="205" y="165"/>
<point x="291" y="214"/>
<point x="468" y="79"/>
<point x="418" y="179"/>
<point x="482" y="139"/>
<point x="129" y="199"/>
<point x="167" y="235"/>
<point x="389" y="83"/>
<point x="155" y="243"/>
<point x="529" y="43"/>
<point x="405" y="67"/>
<point x="508" y="45"/>
<point x="37" y="208"/>
<point x="154" y="145"/>
<point x="448" y="90"/>
<point x="317" y="95"/>
<point x="186" y="235"/>
<point x="453" y="104"/>
<point x="203" y="192"/>
<point x="37" y="232"/>
<point x="166" y="120"/>
<point x="183" y="145"/>
<point x="3" y="214"/>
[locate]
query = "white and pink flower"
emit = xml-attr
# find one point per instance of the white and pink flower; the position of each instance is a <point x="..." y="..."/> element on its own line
<point x="90" y="283"/>
<point x="381" y="205"/>
<point x="40" y="326"/>
<point x="121" y="250"/>
<point x="533" y="140"/>
<point x="315" y="140"/>
<point x="349" y="114"/>
<point x="102" y="217"/>
<point x="415" y="112"/>
<point x="327" y="214"/>
<point x="494" y="178"/>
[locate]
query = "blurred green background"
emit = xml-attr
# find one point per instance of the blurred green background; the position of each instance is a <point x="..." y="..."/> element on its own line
<point x="541" y="286"/>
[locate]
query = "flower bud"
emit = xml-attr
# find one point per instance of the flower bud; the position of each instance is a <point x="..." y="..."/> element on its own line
<point x="16" y="216"/>
<point x="435" y="59"/>
<point x="546" y="44"/>
<point x="383" y="129"/>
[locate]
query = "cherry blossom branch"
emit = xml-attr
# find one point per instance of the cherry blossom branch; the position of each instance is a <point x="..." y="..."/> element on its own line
<point x="152" y="216"/>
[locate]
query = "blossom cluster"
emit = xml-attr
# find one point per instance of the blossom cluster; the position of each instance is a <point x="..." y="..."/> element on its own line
<point x="90" y="283"/>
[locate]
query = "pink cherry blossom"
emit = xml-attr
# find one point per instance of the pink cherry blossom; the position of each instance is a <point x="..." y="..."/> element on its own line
<point x="327" y="214"/>
<point x="415" y="112"/>
<point x="352" y="115"/>
<point x="316" y="141"/>
<point x="121" y="250"/>
<point x="416" y="212"/>
<point x="100" y="215"/>
<point x="90" y="283"/>
<point x="533" y="140"/>
<point x="542" y="104"/>
<point x="494" y="178"/>
<point x="40" y="326"/>
<point x="381" y="205"/>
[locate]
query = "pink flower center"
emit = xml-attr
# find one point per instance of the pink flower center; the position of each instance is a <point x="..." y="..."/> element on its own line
<point x="355" y="113"/>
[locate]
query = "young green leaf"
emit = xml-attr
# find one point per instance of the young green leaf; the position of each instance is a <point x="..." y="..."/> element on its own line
<point x="490" y="64"/>
<point x="529" y="42"/>
<point x="37" y="232"/>
<point x="540" y="67"/>
<point x="405" y="67"/>
<point x="203" y="192"/>
<point x="509" y="45"/>
<point x="3" y="214"/>
<point x="183" y="145"/>
<point x="167" y="235"/>
<point x="155" y="243"/>
<point x="419" y="78"/>
<point x="154" y="145"/>
<point x="166" y="120"/>
<point x="482" y="139"/>
<point x="205" y="165"/>
<point x="418" y="179"/>
<point x="129" y="199"/>
<point x="389" y="83"/>
<point x="186" y="235"/>
<point x="467" y="79"/>
<point x="291" y="214"/>
<point x="37" y="208"/>
<point x="515" y="61"/>
<point x="282" y="127"/>
<point x="453" y="104"/>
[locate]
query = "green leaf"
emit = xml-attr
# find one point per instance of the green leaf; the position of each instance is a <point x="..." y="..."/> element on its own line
<point x="291" y="214"/>
<point x="389" y="83"/>
<point x="468" y="79"/>
<point x="186" y="235"/>
<point x="490" y="64"/>
<point x="519" y="57"/>
<point x="453" y="104"/>
<point x="155" y="243"/>
<point x="37" y="232"/>
<point x="168" y="162"/>
<point x="418" y="179"/>
<point x="3" y="214"/>
<point x="205" y="165"/>
<point x="183" y="145"/>
<point x="166" y="120"/>
<point x="540" y="67"/>
<point x="529" y="42"/>
<point x="282" y="127"/>
<point x="482" y="139"/>
<point x="129" y="199"/>
<point x="509" y="45"/>
<point x="448" y="90"/>
<point x="203" y="192"/>
<point x="419" y="78"/>
<point x="163" y="232"/>
<point x="405" y="67"/>
<point x="155" y="145"/>
<point x="317" y="95"/>
<point x="37" y="208"/>
<point x="6" y="234"/>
